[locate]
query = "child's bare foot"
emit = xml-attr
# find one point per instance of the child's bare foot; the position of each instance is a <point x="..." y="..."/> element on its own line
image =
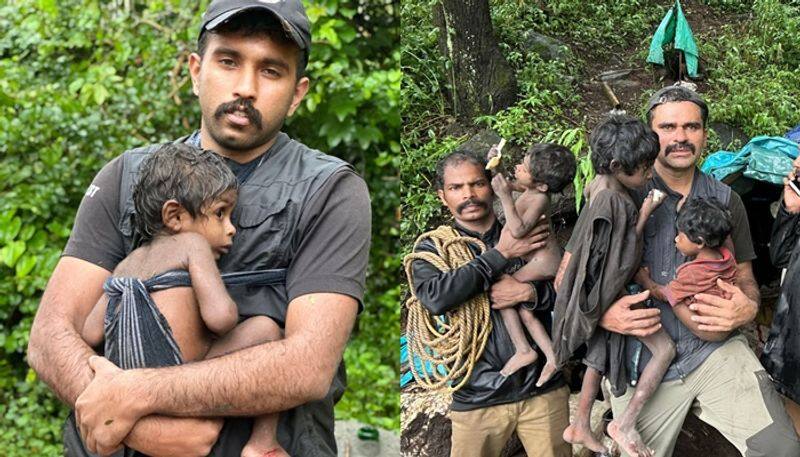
<point x="548" y="370"/>
<point x="575" y="434"/>
<point x="259" y="450"/>
<point x="629" y="440"/>
<point x="517" y="361"/>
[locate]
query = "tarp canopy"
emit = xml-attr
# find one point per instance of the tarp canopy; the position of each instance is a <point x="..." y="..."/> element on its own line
<point x="674" y="31"/>
<point x="764" y="158"/>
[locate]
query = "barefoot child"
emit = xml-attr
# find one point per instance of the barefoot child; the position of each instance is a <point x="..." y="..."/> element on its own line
<point x="545" y="170"/>
<point x="703" y="226"/>
<point x="184" y="199"/>
<point x="604" y="253"/>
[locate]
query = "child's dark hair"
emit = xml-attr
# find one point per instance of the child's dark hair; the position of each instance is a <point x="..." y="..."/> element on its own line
<point x="178" y="171"/>
<point x="625" y="139"/>
<point x="551" y="164"/>
<point x="705" y="220"/>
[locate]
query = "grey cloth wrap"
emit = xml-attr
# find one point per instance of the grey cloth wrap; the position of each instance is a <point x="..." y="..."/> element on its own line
<point x="138" y="336"/>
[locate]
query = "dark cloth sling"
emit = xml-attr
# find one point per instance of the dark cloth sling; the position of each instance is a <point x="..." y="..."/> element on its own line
<point x="138" y="336"/>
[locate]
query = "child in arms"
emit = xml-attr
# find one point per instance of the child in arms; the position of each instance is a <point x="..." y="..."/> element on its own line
<point x="183" y="199"/>
<point x="546" y="169"/>
<point x="604" y="253"/>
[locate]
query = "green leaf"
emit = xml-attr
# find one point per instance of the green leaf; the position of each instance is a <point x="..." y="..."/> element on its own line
<point x="25" y="265"/>
<point x="11" y="252"/>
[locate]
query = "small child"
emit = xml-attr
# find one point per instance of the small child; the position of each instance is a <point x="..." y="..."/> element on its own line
<point x="546" y="169"/>
<point x="604" y="254"/>
<point x="183" y="198"/>
<point x="703" y="227"/>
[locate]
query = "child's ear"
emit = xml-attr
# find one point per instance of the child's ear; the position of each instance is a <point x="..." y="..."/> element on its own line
<point x="615" y="166"/>
<point x="542" y="187"/>
<point x="174" y="216"/>
<point x="702" y="242"/>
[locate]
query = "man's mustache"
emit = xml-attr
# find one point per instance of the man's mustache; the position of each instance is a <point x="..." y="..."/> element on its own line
<point x="243" y="105"/>
<point x="682" y="145"/>
<point x="471" y="201"/>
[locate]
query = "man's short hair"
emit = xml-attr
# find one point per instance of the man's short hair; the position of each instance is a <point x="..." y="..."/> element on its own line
<point x="552" y="164"/>
<point x="704" y="220"/>
<point x="178" y="171"/>
<point x="625" y="139"/>
<point x="676" y="94"/>
<point x="255" y="23"/>
<point x="457" y="158"/>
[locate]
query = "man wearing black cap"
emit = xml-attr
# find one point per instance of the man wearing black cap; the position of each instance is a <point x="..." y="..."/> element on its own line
<point x="298" y="210"/>
<point x="715" y="373"/>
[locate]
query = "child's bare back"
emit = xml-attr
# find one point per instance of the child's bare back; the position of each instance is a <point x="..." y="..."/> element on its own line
<point x="542" y="263"/>
<point x="193" y="313"/>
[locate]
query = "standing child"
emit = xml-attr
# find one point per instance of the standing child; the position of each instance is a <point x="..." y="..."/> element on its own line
<point x="184" y="199"/>
<point x="703" y="226"/>
<point x="604" y="254"/>
<point x="546" y="169"/>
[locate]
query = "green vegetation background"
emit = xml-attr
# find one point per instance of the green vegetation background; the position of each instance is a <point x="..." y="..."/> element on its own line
<point x="81" y="81"/>
<point x="750" y="49"/>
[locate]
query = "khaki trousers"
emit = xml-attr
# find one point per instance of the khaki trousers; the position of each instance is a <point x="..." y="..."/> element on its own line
<point x="539" y="422"/>
<point x="731" y="392"/>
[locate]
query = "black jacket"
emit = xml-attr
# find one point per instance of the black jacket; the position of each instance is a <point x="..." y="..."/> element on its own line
<point x="440" y="292"/>
<point x="780" y="357"/>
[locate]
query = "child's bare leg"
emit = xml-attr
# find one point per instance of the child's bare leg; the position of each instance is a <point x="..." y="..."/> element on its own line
<point x="538" y="267"/>
<point x="524" y="355"/>
<point x="623" y="430"/>
<point x="580" y="430"/>
<point x="255" y="330"/>
<point x="542" y="339"/>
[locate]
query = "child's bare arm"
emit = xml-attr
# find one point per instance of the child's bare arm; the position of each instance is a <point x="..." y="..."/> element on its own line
<point x="93" y="331"/>
<point x="217" y="308"/>
<point x="520" y="223"/>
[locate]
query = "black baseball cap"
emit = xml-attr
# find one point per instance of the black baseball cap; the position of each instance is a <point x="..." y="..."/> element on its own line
<point x="290" y="13"/>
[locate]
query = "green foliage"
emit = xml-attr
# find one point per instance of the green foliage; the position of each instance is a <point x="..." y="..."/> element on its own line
<point x="751" y="82"/>
<point x="81" y="81"/>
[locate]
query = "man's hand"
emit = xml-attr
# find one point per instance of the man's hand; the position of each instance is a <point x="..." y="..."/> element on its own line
<point x="644" y="279"/>
<point x="107" y="410"/>
<point x="162" y="436"/>
<point x="501" y="186"/>
<point x="790" y="198"/>
<point x="717" y="314"/>
<point x="507" y="292"/>
<point x="511" y="247"/>
<point x="620" y="318"/>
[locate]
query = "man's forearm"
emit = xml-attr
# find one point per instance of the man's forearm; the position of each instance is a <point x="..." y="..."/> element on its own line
<point x="58" y="355"/>
<point x="267" y="378"/>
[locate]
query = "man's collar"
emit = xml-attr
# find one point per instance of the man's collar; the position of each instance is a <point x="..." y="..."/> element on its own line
<point x="659" y="183"/>
<point x="493" y="231"/>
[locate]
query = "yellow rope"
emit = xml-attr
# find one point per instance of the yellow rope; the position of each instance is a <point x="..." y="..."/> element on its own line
<point x="456" y="340"/>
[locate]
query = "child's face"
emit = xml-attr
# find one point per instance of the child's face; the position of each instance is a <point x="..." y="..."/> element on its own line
<point x="637" y="179"/>
<point x="215" y="223"/>
<point x="522" y="172"/>
<point x="686" y="246"/>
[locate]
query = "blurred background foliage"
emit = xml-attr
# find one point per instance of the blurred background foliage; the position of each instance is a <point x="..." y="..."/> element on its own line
<point x="749" y="52"/>
<point x="81" y="81"/>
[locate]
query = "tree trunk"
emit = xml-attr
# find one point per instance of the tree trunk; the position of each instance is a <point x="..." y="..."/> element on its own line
<point x="482" y="80"/>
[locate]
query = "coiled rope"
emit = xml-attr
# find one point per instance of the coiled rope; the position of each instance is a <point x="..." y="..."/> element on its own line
<point x="455" y="340"/>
